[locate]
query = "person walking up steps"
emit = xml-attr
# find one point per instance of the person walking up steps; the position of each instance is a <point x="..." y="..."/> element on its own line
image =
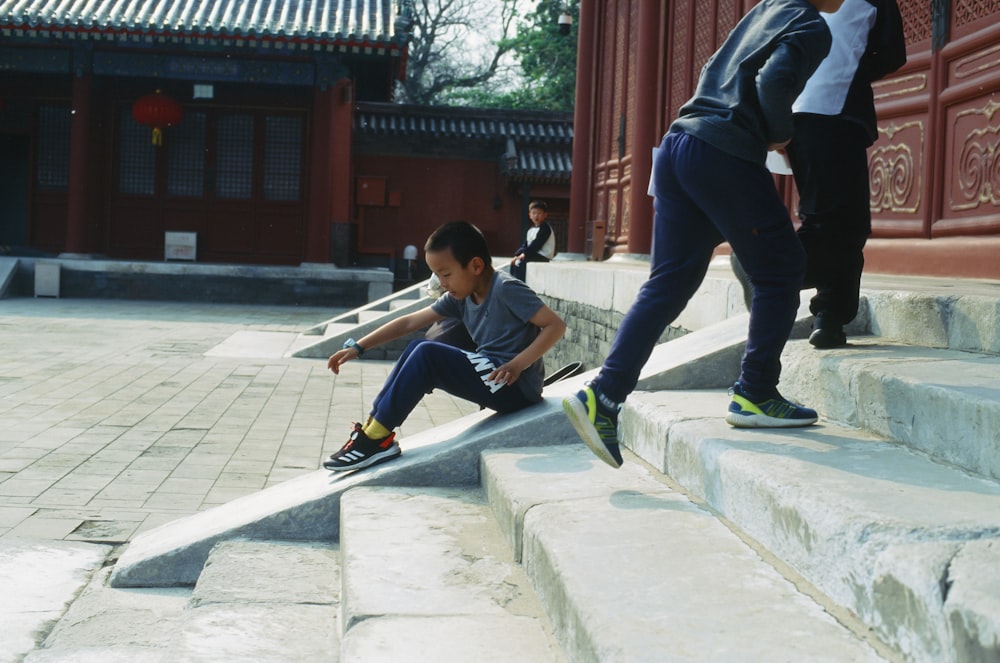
<point x="710" y="185"/>
<point x="511" y="326"/>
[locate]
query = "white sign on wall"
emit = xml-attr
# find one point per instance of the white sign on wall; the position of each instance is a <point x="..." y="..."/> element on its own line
<point x="180" y="246"/>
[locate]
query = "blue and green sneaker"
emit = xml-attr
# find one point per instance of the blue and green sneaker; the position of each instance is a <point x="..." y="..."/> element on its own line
<point x="596" y="421"/>
<point x="746" y="411"/>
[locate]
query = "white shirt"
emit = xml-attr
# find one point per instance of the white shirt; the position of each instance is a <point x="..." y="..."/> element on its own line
<point x="826" y="90"/>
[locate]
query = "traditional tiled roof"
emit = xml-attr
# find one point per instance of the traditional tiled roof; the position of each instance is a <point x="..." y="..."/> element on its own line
<point x="333" y="24"/>
<point x="529" y="145"/>
<point x="460" y="122"/>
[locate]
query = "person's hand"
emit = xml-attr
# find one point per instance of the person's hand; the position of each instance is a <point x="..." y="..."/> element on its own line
<point x="338" y="358"/>
<point x="506" y="374"/>
<point x="517" y="258"/>
<point x="778" y="147"/>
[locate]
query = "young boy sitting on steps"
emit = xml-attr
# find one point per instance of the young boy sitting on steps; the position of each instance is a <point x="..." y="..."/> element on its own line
<point x="510" y="325"/>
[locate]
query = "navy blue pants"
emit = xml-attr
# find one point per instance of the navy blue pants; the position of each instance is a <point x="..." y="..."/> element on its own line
<point x="705" y="196"/>
<point x="428" y="365"/>
<point x="521" y="271"/>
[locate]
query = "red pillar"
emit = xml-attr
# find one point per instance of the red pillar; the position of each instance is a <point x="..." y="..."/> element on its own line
<point x="342" y="166"/>
<point x="317" y="248"/>
<point x="579" y="199"/>
<point x="331" y="168"/>
<point x="646" y="117"/>
<point x="80" y="167"/>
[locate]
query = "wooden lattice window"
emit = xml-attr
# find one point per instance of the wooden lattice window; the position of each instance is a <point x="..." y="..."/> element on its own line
<point x="917" y="24"/>
<point x="136" y="157"/>
<point x="186" y="157"/>
<point x="970" y="11"/>
<point x="52" y="170"/>
<point x="282" y="158"/>
<point x="234" y="157"/>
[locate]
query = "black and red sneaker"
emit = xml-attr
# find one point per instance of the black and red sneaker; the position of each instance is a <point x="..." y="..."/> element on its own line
<point x="362" y="451"/>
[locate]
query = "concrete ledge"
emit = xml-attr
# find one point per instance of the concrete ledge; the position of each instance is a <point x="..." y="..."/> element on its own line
<point x="873" y="525"/>
<point x="633" y="571"/>
<point x="8" y="270"/>
<point x="307" y="508"/>
<point x="305" y="285"/>
<point x="943" y="402"/>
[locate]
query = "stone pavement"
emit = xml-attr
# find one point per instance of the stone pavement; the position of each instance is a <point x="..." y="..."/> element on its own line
<point x="117" y="416"/>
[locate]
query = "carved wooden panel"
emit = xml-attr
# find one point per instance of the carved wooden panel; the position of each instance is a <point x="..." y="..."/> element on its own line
<point x="975" y="159"/>
<point x="896" y="165"/>
<point x="970" y="122"/>
<point x="901" y="161"/>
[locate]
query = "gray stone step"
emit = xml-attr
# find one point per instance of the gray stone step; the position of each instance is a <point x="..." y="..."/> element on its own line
<point x="108" y="624"/>
<point x="943" y="402"/>
<point x="262" y="601"/>
<point x="307" y="507"/>
<point x="628" y="569"/>
<point x="910" y="545"/>
<point x="327" y="337"/>
<point x="959" y="317"/>
<point x="427" y="578"/>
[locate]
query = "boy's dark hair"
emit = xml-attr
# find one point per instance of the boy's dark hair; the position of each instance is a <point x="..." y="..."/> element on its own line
<point x="464" y="239"/>
<point x="540" y="204"/>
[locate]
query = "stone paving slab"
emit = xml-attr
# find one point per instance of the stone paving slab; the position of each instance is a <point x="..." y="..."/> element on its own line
<point x="116" y="418"/>
<point x="119" y="416"/>
<point x="874" y="525"/>
<point x="658" y="578"/>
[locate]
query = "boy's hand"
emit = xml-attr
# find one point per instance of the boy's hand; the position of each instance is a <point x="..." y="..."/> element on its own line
<point x="338" y="358"/>
<point x="506" y="374"/>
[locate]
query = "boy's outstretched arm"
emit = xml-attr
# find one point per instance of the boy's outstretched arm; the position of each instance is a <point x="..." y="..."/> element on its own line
<point x="393" y="329"/>
<point x="551" y="328"/>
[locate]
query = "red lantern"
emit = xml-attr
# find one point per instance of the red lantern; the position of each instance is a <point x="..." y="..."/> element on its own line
<point x="159" y="111"/>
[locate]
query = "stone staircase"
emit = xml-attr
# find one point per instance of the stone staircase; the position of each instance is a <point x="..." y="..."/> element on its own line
<point x="325" y="338"/>
<point x="874" y="535"/>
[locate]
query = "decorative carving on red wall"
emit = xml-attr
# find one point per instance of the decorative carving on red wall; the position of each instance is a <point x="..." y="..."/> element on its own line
<point x="977" y="167"/>
<point x="895" y="174"/>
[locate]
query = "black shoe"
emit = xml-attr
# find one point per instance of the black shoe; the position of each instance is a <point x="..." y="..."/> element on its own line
<point x="830" y="337"/>
<point x="362" y="451"/>
<point x="826" y="333"/>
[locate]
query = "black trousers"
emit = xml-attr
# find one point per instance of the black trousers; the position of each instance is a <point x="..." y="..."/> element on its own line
<point x="829" y="156"/>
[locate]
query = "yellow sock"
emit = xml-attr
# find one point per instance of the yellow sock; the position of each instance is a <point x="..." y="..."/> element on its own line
<point x="373" y="430"/>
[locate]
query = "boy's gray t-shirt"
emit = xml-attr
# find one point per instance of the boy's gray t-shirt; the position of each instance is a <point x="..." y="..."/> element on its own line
<point x="499" y="325"/>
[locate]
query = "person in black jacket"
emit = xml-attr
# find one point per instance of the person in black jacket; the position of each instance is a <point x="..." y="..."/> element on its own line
<point x="539" y="242"/>
<point x="835" y="124"/>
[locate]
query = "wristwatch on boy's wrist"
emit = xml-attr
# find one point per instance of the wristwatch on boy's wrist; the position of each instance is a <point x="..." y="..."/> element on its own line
<point x="351" y="343"/>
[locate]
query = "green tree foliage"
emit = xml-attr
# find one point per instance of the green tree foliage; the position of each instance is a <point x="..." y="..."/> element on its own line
<point x="547" y="61"/>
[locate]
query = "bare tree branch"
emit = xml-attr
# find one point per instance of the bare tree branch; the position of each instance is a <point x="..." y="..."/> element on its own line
<point x="439" y="58"/>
